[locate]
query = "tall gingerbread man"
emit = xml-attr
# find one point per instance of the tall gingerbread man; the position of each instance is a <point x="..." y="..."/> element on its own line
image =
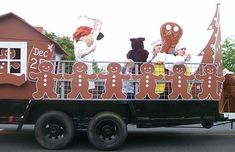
<point x="113" y="83"/>
<point x="209" y="83"/>
<point x="179" y="82"/>
<point x="45" y="81"/>
<point x="80" y="82"/>
<point x="147" y="82"/>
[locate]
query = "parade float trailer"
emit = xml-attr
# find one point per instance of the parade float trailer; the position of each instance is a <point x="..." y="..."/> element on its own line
<point x="37" y="87"/>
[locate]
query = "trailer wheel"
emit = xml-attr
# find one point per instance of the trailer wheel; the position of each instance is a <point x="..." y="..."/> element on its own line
<point x="54" y="130"/>
<point x="107" y="131"/>
<point x="207" y="125"/>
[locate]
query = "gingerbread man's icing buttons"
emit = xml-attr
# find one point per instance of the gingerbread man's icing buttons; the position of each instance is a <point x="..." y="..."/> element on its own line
<point x="179" y="80"/>
<point x="210" y="83"/>
<point x="198" y="87"/>
<point x="113" y="83"/>
<point x="79" y="81"/>
<point x="45" y="81"/>
<point x="147" y="82"/>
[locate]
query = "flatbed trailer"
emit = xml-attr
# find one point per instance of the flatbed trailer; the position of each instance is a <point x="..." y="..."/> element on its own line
<point x="105" y="120"/>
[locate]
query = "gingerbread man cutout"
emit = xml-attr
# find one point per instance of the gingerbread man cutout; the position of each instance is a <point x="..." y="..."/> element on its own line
<point x="45" y="80"/>
<point x="80" y="82"/>
<point x="147" y="82"/>
<point x="179" y="83"/>
<point x="210" y="83"/>
<point x="113" y="82"/>
<point x="3" y="65"/>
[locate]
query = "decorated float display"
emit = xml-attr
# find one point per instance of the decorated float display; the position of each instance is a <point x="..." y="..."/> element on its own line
<point x="38" y="87"/>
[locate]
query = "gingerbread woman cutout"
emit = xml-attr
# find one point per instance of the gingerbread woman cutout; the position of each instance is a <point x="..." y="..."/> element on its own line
<point x="179" y="82"/>
<point x="45" y="81"/>
<point x="113" y="83"/>
<point x="147" y="82"/>
<point x="210" y="83"/>
<point x="80" y="82"/>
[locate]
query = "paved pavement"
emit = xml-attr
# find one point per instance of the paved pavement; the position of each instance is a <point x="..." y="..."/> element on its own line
<point x="217" y="139"/>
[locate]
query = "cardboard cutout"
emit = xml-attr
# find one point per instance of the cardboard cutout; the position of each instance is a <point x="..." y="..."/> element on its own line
<point x="12" y="79"/>
<point x="179" y="83"/>
<point x="79" y="84"/>
<point x="40" y="52"/>
<point x="212" y="53"/>
<point x="113" y="83"/>
<point x="147" y="80"/>
<point x="210" y="83"/>
<point x="45" y="81"/>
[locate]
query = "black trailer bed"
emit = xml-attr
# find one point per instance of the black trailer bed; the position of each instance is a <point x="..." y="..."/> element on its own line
<point x="143" y="113"/>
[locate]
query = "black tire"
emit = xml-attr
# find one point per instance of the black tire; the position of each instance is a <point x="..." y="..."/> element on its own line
<point x="54" y="130"/>
<point x="207" y="125"/>
<point x="107" y="131"/>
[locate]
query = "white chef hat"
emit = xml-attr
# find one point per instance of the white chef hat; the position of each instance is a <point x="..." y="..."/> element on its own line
<point x="180" y="46"/>
<point x="157" y="42"/>
<point x="88" y="24"/>
<point x="129" y="63"/>
<point x="86" y="21"/>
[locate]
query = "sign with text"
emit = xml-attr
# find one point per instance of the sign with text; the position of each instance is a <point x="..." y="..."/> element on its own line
<point x="39" y="52"/>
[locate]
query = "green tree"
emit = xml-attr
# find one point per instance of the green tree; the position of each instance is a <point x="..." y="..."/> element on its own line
<point x="65" y="42"/>
<point x="96" y="68"/>
<point x="228" y="49"/>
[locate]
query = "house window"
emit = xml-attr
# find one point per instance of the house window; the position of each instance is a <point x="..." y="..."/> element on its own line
<point x="13" y="57"/>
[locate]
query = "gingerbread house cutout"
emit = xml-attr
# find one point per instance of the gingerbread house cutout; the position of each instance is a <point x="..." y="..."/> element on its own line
<point x="22" y="48"/>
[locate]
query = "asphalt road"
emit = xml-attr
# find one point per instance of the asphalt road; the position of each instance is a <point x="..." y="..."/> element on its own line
<point x="217" y="139"/>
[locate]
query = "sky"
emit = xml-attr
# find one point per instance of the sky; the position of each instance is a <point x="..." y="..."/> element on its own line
<point x="125" y="19"/>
